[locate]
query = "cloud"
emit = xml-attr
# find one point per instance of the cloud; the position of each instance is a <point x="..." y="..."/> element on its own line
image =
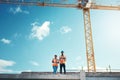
<point x="18" y="10"/>
<point x="34" y="63"/>
<point x="17" y="35"/>
<point x="6" y="41"/>
<point x="4" y="64"/>
<point x="39" y="32"/>
<point x="65" y="29"/>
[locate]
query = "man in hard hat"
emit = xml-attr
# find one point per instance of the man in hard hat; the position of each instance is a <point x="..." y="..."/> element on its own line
<point x="55" y="62"/>
<point x="62" y="60"/>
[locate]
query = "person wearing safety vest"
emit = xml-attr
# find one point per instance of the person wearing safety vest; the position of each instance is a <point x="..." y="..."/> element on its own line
<point x="62" y="61"/>
<point x="55" y="62"/>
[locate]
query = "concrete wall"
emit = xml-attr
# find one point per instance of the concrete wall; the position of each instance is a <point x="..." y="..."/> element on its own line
<point x="103" y="78"/>
<point x="68" y="76"/>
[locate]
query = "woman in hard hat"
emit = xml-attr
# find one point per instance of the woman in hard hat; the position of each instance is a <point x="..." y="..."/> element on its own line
<point x="55" y="62"/>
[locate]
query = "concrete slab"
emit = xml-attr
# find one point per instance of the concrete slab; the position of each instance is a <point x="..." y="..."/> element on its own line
<point x="49" y="75"/>
<point x="67" y="76"/>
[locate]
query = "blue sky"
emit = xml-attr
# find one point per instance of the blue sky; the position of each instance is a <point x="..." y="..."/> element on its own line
<point x="31" y="35"/>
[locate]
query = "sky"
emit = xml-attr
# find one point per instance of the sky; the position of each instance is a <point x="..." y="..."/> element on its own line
<point x="30" y="36"/>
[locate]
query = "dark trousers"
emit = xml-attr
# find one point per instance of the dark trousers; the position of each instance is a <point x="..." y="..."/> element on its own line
<point x="62" y="66"/>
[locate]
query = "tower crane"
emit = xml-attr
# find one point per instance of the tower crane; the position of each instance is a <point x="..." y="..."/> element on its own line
<point x="84" y="5"/>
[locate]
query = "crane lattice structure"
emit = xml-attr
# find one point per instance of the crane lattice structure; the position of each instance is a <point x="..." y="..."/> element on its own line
<point x="84" y="5"/>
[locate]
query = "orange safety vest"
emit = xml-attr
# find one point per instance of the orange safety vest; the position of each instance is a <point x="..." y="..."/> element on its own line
<point x="55" y="62"/>
<point x="62" y="59"/>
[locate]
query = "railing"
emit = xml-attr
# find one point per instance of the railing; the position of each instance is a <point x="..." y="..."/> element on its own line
<point x="97" y="70"/>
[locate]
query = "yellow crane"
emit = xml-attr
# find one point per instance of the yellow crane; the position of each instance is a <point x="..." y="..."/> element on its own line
<point x="84" y="5"/>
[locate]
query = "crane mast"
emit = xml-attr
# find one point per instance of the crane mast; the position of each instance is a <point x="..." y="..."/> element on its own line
<point x="89" y="41"/>
<point x="85" y="5"/>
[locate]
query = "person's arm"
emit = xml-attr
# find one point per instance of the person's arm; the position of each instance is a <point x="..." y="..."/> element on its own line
<point x="57" y="60"/>
<point x="65" y="58"/>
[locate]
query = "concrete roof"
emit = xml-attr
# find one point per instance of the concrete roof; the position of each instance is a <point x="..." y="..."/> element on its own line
<point x="58" y="76"/>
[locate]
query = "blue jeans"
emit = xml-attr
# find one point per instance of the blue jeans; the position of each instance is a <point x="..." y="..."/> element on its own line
<point x="55" y="69"/>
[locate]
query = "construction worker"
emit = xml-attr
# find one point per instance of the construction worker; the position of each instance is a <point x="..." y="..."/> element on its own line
<point x="62" y="60"/>
<point x="55" y="62"/>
